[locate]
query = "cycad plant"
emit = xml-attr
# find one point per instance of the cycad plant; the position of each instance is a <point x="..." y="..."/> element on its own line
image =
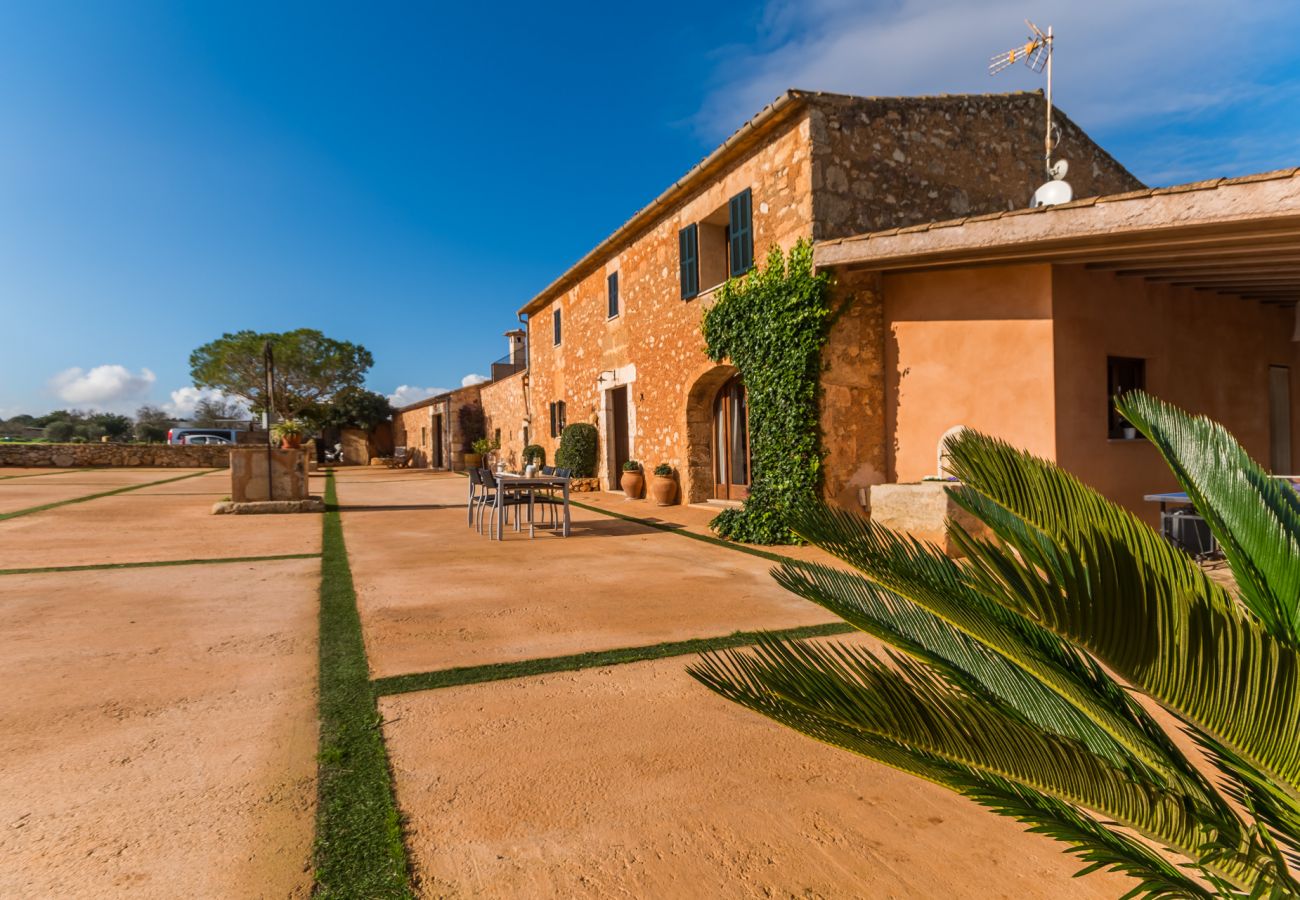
<point x="1013" y="674"/>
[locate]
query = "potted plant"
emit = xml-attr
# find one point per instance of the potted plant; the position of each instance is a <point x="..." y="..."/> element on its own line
<point x="633" y="481"/>
<point x="664" y="486"/>
<point x="289" y="433"/>
<point x="482" y="448"/>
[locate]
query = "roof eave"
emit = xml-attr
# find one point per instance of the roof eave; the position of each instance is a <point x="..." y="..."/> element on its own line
<point x="771" y="116"/>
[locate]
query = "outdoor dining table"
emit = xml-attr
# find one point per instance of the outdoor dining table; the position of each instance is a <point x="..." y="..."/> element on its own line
<point x="511" y="481"/>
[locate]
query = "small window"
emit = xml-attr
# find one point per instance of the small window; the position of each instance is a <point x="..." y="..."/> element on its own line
<point x="496" y="437"/>
<point x="424" y="437"/>
<point x="613" y="295"/>
<point x="564" y="415"/>
<point x="557" y="418"/>
<point x="688" y="240"/>
<point x="555" y="325"/>
<point x="740" y="232"/>
<point x="1123" y="374"/>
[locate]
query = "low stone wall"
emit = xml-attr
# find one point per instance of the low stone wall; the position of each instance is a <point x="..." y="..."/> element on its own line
<point x="76" y="456"/>
<point x="922" y="510"/>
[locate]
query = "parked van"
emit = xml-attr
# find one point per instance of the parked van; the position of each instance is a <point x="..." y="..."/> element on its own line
<point x="179" y="435"/>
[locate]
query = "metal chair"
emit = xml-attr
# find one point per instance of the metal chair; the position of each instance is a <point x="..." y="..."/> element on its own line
<point x="508" y="500"/>
<point x="478" y="492"/>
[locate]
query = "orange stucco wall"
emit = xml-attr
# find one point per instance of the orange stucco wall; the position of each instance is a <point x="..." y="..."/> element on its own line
<point x="1206" y="352"/>
<point x="968" y="347"/>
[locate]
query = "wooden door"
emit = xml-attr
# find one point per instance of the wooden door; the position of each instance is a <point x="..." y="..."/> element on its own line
<point x="731" y="442"/>
<point x="619" y="439"/>
<point x="435" y="454"/>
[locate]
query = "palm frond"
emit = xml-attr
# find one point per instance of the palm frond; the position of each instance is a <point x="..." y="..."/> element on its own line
<point x="1103" y="848"/>
<point x="734" y="676"/>
<point x="911" y="705"/>
<point x="1173" y="634"/>
<point x="929" y="579"/>
<point x="964" y="661"/>
<point x="1255" y="518"/>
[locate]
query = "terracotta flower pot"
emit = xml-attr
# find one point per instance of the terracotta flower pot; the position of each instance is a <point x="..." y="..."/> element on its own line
<point x="632" y="483"/>
<point x="664" y="489"/>
<point x="291" y="442"/>
<point x="473" y="460"/>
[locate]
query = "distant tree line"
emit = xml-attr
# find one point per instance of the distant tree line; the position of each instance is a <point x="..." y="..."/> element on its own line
<point x="317" y="380"/>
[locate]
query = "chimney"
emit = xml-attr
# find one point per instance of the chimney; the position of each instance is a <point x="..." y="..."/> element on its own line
<point x="518" y="343"/>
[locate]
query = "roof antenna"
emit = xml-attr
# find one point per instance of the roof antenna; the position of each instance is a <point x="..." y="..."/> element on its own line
<point x="1037" y="55"/>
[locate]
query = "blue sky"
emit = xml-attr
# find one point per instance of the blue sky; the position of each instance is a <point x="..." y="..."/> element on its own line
<point x="407" y="175"/>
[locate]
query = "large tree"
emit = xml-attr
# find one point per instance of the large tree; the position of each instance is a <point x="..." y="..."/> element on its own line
<point x="356" y="407"/>
<point x="310" y="368"/>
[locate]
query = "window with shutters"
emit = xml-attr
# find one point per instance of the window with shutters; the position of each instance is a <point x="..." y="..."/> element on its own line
<point x="613" y="295"/>
<point x="557" y="418"/>
<point x="688" y="241"/>
<point x="719" y="246"/>
<point x="740" y="232"/>
<point x="555" y="325"/>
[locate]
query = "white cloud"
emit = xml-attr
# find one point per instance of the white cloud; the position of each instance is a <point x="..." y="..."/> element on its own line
<point x="108" y="387"/>
<point x="183" y="400"/>
<point x="474" y="379"/>
<point x="1121" y="65"/>
<point x="407" y="394"/>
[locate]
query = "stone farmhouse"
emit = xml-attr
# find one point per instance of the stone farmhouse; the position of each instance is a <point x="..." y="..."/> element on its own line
<point x="959" y="306"/>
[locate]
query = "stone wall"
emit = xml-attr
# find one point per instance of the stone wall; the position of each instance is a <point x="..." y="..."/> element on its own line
<point x="853" y="399"/>
<point x="76" y="456"/>
<point x="891" y="162"/>
<point x="505" y="409"/>
<point x="431" y="430"/>
<point x="840" y="165"/>
<point x="653" y="347"/>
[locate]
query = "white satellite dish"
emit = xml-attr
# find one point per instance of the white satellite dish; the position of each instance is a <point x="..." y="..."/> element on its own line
<point x="1057" y="190"/>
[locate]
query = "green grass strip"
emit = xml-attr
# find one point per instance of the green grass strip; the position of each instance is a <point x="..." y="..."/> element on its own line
<point x="94" y="567"/>
<point x="42" y="474"/>
<point x="359" y="850"/>
<point x="122" y="490"/>
<point x="428" y="681"/>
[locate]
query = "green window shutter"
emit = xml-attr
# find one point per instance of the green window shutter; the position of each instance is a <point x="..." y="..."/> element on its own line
<point x="555" y="322"/>
<point x="741" y="231"/>
<point x="552" y="408"/>
<point x="613" y="295"/>
<point x="688" y="241"/>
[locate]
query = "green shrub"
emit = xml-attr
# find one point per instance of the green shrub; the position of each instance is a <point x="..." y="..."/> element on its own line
<point x="663" y="470"/>
<point x="577" y="450"/>
<point x="535" y="453"/>
<point x="483" y="446"/>
<point x="631" y="466"/>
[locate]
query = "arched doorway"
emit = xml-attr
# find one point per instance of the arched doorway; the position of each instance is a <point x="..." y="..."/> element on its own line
<point x="731" y="473"/>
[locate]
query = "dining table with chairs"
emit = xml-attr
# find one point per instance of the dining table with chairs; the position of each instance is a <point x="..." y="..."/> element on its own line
<point x="495" y="494"/>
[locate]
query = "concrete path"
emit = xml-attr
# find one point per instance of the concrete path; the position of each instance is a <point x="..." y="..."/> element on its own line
<point x="158" y="725"/>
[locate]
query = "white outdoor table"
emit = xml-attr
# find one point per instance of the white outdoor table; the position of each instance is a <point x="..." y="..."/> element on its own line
<point x="516" y="482"/>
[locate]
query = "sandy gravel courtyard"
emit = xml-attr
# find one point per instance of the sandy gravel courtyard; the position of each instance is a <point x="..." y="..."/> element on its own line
<point x="160" y="725"/>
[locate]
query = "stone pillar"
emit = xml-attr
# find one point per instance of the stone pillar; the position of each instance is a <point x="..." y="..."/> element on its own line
<point x="853" y="399"/>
